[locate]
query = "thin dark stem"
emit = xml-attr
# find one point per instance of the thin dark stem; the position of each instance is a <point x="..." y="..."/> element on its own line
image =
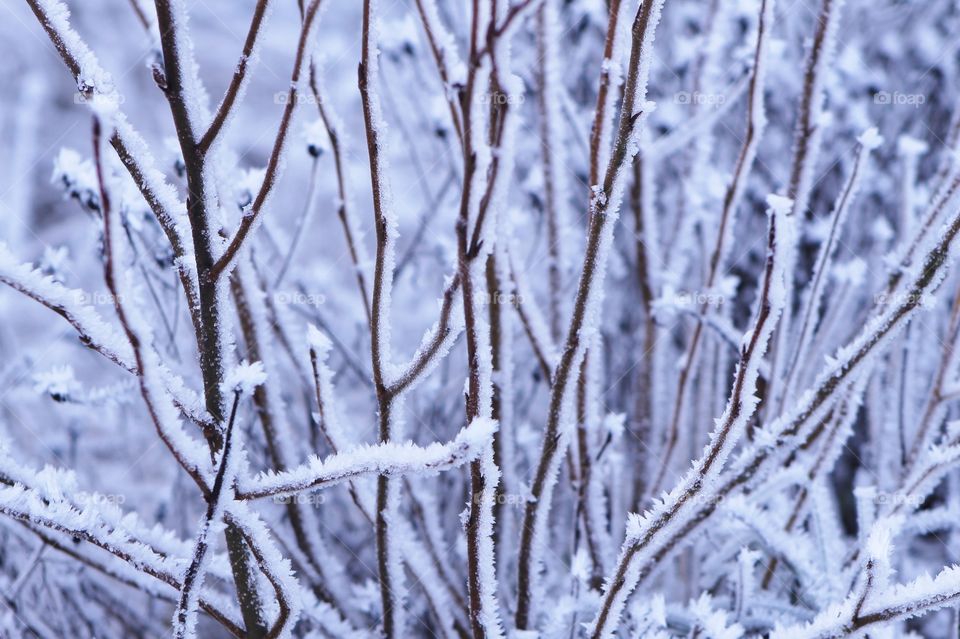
<point x="547" y="150"/>
<point x="382" y="282"/>
<point x="272" y="174"/>
<point x="573" y="351"/>
<point x="236" y="82"/>
<point x="176" y="65"/>
<point x="193" y="576"/>
<point x="106" y="210"/>
<point x="342" y="212"/>
<point x="301" y="222"/>
<point x="643" y="417"/>
<point x="731" y="202"/>
<point x="439" y="60"/>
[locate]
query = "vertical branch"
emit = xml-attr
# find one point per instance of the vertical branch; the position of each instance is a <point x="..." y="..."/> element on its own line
<point x="589" y="499"/>
<point x="442" y="47"/>
<point x="180" y="446"/>
<point x="501" y="364"/>
<point x="475" y="259"/>
<point x="933" y="411"/>
<point x="179" y="83"/>
<point x="756" y="122"/>
<point x="185" y="614"/>
<point x="252" y="217"/>
<point x="741" y="405"/>
<point x="215" y="497"/>
<point x="357" y="254"/>
<point x="388" y="490"/>
<point x="178" y="86"/>
<point x="868" y="141"/>
<point x="551" y="151"/>
<point x="603" y="212"/>
<point x="806" y="152"/>
<point x="809" y="130"/>
<point x="644" y="220"/>
<point x="609" y="77"/>
<point x="253" y="324"/>
<point x="238" y="80"/>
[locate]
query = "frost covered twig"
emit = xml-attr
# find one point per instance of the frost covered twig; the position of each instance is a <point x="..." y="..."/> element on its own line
<point x="388" y="459"/>
<point x="459" y="450"/>
<point x="730" y="428"/>
<point x="868" y="141"/>
<point x="239" y="78"/>
<point x="252" y="217"/>
<point x="184" y="617"/>
<point x="604" y="207"/>
<point x="756" y="121"/>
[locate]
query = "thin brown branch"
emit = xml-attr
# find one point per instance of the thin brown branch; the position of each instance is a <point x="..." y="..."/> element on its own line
<point x="601" y="217"/>
<point x="227" y="105"/>
<point x="272" y="175"/>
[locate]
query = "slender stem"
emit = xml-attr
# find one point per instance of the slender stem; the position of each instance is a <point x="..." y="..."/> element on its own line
<point x="272" y="174"/>
<point x="549" y="146"/>
<point x="432" y="28"/>
<point x="308" y="205"/>
<point x="756" y="120"/>
<point x="228" y="103"/>
<point x="193" y="577"/>
<point x="178" y="63"/>
<point x="603" y="208"/>
<point x="640" y="201"/>
<point x="342" y="212"/>
<point x="696" y="503"/>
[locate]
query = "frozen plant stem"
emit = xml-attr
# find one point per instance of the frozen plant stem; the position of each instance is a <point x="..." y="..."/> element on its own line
<point x="483" y="485"/>
<point x="178" y="63"/>
<point x="343" y="213"/>
<point x="730" y="427"/>
<point x="251" y="217"/>
<point x="548" y="97"/>
<point x="388" y="490"/>
<point x="184" y="617"/>
<point x="808" y="137"/>
<point x="603" y="212"/>
<point x="756" y="121"/>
